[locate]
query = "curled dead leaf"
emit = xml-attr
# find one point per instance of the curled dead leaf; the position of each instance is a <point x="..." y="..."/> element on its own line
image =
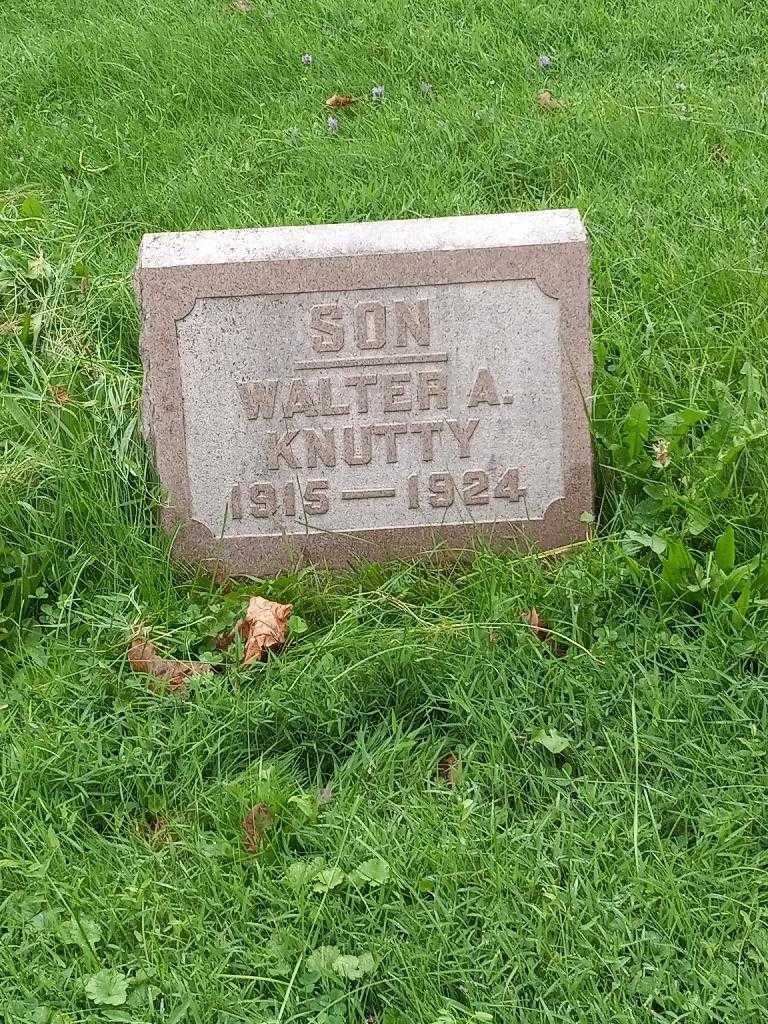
<point x="339" y="100"/>
<point x="547" y="101"/>
<point x="263" y="628"/>
<point x="541" y="631"/>
<point x="60" y="395"/>
<point x="255" y="824"/>
<point x="535" y="621"/>
<point x="143" y="657"/>
<point x="448" y="768"/>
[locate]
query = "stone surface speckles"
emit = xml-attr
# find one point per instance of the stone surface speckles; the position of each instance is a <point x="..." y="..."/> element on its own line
<point x="339" y="392"/>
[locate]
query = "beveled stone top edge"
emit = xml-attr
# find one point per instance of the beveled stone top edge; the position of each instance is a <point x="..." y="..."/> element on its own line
<point x="481" y="231"/>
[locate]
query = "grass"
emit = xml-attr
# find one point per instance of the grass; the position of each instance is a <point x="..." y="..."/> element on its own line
<point x="621" y="879"/>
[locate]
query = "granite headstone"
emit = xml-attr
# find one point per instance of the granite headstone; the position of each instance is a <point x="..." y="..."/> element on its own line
<point x="335" y="392"/>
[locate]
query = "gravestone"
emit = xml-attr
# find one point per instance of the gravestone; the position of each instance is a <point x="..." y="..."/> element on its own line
<point x="329" y="393"/>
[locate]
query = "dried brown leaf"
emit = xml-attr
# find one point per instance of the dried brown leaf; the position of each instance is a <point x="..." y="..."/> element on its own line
<point x="143" y="657"/>
<point x="325" y="795"/>
<point x="448" y="768"/>
<point x="255" y="824"/>
<point x="542" y="632"/>
<point x="263" y="628"/>
<point x="339" y="100"/>
<point x="60" y="395"/>
<point x="85" y="284"/>
<point x="242" y="5"/>
<point x="547" y="101"/>
<point x="536" y="623"/>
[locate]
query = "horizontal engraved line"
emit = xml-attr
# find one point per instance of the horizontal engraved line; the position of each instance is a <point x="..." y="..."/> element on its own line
<point x="336" y="364"/>
<point x="384" y="492"/>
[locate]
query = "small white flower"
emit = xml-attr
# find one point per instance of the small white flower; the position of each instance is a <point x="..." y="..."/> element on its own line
<point x="661" y="455"/>
<point x="333" y="125"/>
<point x="545" y="61"/>
<point x="377" y="92"/>
<point x="306" y="59"/>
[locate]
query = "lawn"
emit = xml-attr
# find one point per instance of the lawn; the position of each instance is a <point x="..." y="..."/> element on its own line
<point x="461" y="821"/>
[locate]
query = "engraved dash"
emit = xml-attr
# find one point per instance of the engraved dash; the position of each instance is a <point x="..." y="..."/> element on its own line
<point x="382" y="492"/>
<point x="337" y="364"/>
